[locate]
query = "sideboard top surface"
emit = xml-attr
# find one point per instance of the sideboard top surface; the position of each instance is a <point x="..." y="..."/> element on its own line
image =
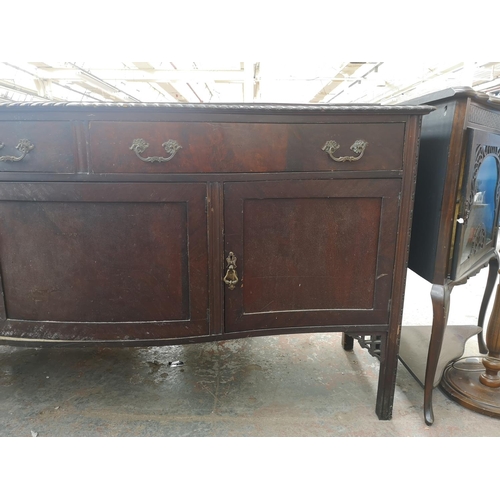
<point x="236" y="108"/>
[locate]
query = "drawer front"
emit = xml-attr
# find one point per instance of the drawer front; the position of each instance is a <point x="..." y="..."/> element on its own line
<point x="38" y="146"/>
<point x="145" y="147"/>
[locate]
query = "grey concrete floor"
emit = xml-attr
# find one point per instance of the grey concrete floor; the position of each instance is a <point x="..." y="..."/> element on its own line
<point x="293" y="385"/>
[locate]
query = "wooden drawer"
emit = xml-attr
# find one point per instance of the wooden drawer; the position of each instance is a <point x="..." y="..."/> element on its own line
<point x="54" y="147"/>
<point x="242" y="147"/>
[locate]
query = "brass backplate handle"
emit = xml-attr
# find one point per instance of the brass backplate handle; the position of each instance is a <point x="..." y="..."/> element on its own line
<point x="170" y="146"/>
<point x="358" y="147"/>
<point x="231" y="277"/>
<point x="24" y="147"/>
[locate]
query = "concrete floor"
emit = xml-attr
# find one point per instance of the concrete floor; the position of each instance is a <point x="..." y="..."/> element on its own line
<point x="300" y="385"/>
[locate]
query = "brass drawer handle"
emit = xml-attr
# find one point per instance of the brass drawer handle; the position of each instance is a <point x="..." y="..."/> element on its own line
<point x="140" y="145"/>
<point x="358" y="147"/>
<point x="231" y="277"/>
<point x="24" y="146"/>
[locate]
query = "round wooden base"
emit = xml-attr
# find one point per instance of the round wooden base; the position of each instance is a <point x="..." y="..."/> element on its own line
<point x="461" y="383"/>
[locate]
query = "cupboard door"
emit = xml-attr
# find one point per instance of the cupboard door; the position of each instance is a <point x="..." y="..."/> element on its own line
<point x="89" y="261"/>
<point x="314" y="253"/>
<point x="476" y="235"/>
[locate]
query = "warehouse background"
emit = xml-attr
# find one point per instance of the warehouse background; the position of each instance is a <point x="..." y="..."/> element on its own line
<point x="256" y="82"/>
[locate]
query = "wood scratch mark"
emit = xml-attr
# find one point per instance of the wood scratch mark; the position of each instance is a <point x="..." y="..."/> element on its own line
<point x="292" y="277"/>
<point x="267" y="305"/>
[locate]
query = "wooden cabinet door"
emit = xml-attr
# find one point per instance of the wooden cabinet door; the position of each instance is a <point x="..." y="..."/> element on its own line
<point x="476" y="236"/>
<point x="310" y="253"/>
<point x="103" y="262"/>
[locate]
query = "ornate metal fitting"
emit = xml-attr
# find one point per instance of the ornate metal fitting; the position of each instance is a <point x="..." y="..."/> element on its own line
<point x="231" y="277"/>
<point x="140" y="145"/>
<point x="358" y="147"/>
<point x="231" y="260"/>
<point x="24" y="147"/>
<point x="171" y="146"/>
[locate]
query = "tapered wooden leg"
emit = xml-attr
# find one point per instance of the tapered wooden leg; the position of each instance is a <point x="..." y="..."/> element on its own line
<point x="347" y="342"/>
<point x="440" y="295"/>
<point x="490" y="284"/>
<point x="387" y="375"/>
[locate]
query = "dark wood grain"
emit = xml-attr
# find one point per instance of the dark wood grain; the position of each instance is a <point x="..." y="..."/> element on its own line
<point x="302" y="258"/>
<point x="87" y="268"/>
<point x="390" y="341"/>
<point x="104" y="253"/>
<point x="216" y="256"/>
<point x="242" y="147"/>
<point x="54" y="151"/>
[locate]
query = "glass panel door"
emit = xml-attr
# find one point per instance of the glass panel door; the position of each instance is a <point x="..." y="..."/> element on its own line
<point x="478" y="216"/>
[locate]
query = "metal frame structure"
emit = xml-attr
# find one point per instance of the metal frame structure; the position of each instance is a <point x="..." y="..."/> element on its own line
<point x="189" y="82"/>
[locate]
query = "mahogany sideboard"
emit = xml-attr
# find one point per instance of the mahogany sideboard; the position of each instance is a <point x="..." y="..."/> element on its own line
<point x="157" y="224"/>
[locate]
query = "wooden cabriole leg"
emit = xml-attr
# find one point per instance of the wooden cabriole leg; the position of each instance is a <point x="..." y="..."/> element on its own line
<point x="490" y="284"/>
<point x="440" y="295"/>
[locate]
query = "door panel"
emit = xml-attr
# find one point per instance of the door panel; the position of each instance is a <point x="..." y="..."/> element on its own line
<point x="479" y="202"/>
<point x="117" y="254"/>
<point x="310" y="252"/>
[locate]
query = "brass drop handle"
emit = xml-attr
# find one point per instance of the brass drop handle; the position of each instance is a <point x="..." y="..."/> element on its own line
<point x="140" y="145"/>
<point x="231" y="277"/>
<point x="24" y="147"/>
<point x="358" y="147"/>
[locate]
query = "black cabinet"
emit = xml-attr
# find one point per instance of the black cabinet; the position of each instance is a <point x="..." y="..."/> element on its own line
<point x="455" y="219"/>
